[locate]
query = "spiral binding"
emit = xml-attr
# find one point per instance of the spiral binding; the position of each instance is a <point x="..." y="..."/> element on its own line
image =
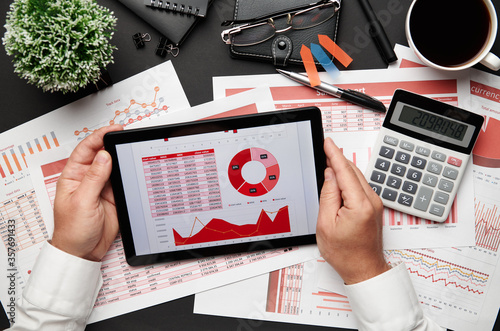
<point x="174" y="6"/>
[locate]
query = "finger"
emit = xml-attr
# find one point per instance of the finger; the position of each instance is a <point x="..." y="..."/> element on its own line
<point x="374" y="198"/>
<point x="330" y="199"/>
<point x="85" y="152"/>
<point x="96" y="177"/>
<point x="347" y="180"/>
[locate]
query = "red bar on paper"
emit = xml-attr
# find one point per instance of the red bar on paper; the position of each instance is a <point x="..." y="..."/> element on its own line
<point x="335" y="50"/>
<point x="272" y="291"/>
<point x="53" y="168"/>
<point x="310" y="66"/>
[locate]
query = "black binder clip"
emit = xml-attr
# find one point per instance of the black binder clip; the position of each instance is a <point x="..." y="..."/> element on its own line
<point x="164" y="48"/>
<point x="140" y="39"/>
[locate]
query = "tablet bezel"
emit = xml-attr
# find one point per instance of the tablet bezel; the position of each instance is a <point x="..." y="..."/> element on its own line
<point x="311" y="114"/>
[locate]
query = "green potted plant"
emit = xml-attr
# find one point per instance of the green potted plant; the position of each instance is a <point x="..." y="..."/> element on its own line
<point x="59" y="45"/>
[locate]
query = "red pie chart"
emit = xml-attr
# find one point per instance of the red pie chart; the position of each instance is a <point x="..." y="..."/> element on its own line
<point x="270" y="164"/>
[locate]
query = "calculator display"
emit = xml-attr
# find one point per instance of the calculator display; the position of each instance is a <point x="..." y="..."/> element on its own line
<point x="432" y="122"/>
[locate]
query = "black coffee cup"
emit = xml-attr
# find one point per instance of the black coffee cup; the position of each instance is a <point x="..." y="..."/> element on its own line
<point x="453" y="34"/>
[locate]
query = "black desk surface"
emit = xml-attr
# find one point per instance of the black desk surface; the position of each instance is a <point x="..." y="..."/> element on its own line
<point x="202" y="56"/>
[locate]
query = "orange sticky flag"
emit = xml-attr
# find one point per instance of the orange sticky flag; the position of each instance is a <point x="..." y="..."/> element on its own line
<point x="312" y="72"/>
<point x="335" y="50"/>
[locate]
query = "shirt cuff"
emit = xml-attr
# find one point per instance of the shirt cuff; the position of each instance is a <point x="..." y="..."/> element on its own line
<point x="63" y="283"/>
<point x="386" y="302"/>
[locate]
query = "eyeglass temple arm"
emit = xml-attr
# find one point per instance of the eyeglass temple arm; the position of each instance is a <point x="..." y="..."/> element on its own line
<point x="277" y="13"/>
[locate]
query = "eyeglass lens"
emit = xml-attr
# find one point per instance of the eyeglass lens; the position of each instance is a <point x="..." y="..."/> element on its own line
<point x="261" y="32"/>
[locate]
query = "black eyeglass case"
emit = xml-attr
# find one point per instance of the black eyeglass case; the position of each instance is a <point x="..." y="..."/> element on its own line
<point x="283" y="49"/>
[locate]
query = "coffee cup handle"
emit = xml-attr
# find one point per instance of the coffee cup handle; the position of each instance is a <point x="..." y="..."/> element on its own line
<point x="491" y="61"/>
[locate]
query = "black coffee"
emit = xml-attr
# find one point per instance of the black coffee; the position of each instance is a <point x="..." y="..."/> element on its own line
<point x="449" y="32"/>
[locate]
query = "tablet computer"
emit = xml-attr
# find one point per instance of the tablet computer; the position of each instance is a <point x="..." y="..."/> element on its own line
<point x="218" y="186"/>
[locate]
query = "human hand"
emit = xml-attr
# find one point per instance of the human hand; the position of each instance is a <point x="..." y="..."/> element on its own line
<point x="349" y="228"/>
<point x="85" y="220"/>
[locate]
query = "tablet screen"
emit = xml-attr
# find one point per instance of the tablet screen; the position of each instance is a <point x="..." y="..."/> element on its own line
<point x="218" y="184"/>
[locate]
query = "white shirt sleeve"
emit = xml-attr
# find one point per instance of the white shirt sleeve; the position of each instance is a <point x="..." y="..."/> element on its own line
<point x="389" y="302"/>
<point x="60" y="292"/>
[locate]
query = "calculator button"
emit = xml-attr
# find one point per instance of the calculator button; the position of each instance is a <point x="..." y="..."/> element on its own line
<point x="435" y="168"/>
<point x="402" y="157"/>
<point x="454" y="161"/>
<point x="414" y="175"/>
<point x="378" y="177"/>
<point x="430" y="180"/>
<point x="398" y="170"/>
<point x="450" y="173"/>
<point x="418" y="162"/>
<point x="410" y="187"/>
<point x="386" y="152"/>
<point x="423" y="151"/>
<point x="389" y="194"/>
<point x="391" y="140"/>
<point x="394" y="182"/>
<point x="382" y="164"/>
<point x="441" y="197"/>
<point x="376" y="188"/>
<point x="438" y="156"/>
<point x="423" y="198"/>
<point x="445" y="185"/>
<point x="405" y="199"/>
<point x="436" y="210"/>
<point x="406" y="145"/>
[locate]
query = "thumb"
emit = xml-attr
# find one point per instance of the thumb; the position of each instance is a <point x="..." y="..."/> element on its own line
<point x="330" y="199"/>
<point x="96" y="177"/>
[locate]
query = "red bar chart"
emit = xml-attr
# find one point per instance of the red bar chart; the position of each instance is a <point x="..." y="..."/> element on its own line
<point x="487" y="225"/>
<point x="13" y="157"/>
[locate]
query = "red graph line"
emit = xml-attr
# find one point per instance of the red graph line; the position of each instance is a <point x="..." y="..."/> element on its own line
<point x="487" y="226"/>
<point x="446" y="264"/>
<point x="218" y="229"/>
<point x="127" y="110"/>
<point x="441" y="271"/>
<point x="446" y="282"/>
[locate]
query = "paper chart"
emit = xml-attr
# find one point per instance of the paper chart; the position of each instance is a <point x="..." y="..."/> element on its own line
<point x="354" y="129"/>
<point x="64" y="125"/>
<point x="129" y="288"/>
<point x="290" y="294"/>
<point x="466" y="300"/>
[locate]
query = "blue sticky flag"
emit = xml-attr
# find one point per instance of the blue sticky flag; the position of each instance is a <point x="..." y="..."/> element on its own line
<point x="325" y="61"/>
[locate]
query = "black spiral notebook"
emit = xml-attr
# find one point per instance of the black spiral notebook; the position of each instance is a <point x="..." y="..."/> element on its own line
<point x="173" y="24"/>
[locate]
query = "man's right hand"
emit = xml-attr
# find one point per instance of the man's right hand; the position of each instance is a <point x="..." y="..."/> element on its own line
<point x="349" y="229"/>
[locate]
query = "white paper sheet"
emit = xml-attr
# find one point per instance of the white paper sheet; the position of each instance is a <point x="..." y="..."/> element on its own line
<point x="129" y="288"/>
<point x="354" y="130"/>
<point x="141" y="98"/>
<point x="289" y="295"/>
<point x="458" y="287"/>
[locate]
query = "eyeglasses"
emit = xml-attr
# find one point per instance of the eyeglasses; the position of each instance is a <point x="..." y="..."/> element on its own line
<point x="260" y="29"/>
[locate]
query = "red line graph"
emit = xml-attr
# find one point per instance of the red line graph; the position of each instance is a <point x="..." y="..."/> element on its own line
<point x="218" y="229"/>
<point x="487" y="225"/>
<point x="143" y="114"/>
<point x="440" y="271"/>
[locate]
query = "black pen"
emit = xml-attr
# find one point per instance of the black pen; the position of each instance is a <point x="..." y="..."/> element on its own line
<point x="378" y="33"/>
<point x="348" y="95"/>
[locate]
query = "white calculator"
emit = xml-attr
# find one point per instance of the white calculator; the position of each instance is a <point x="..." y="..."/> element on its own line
<point x="420" y="155"/>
